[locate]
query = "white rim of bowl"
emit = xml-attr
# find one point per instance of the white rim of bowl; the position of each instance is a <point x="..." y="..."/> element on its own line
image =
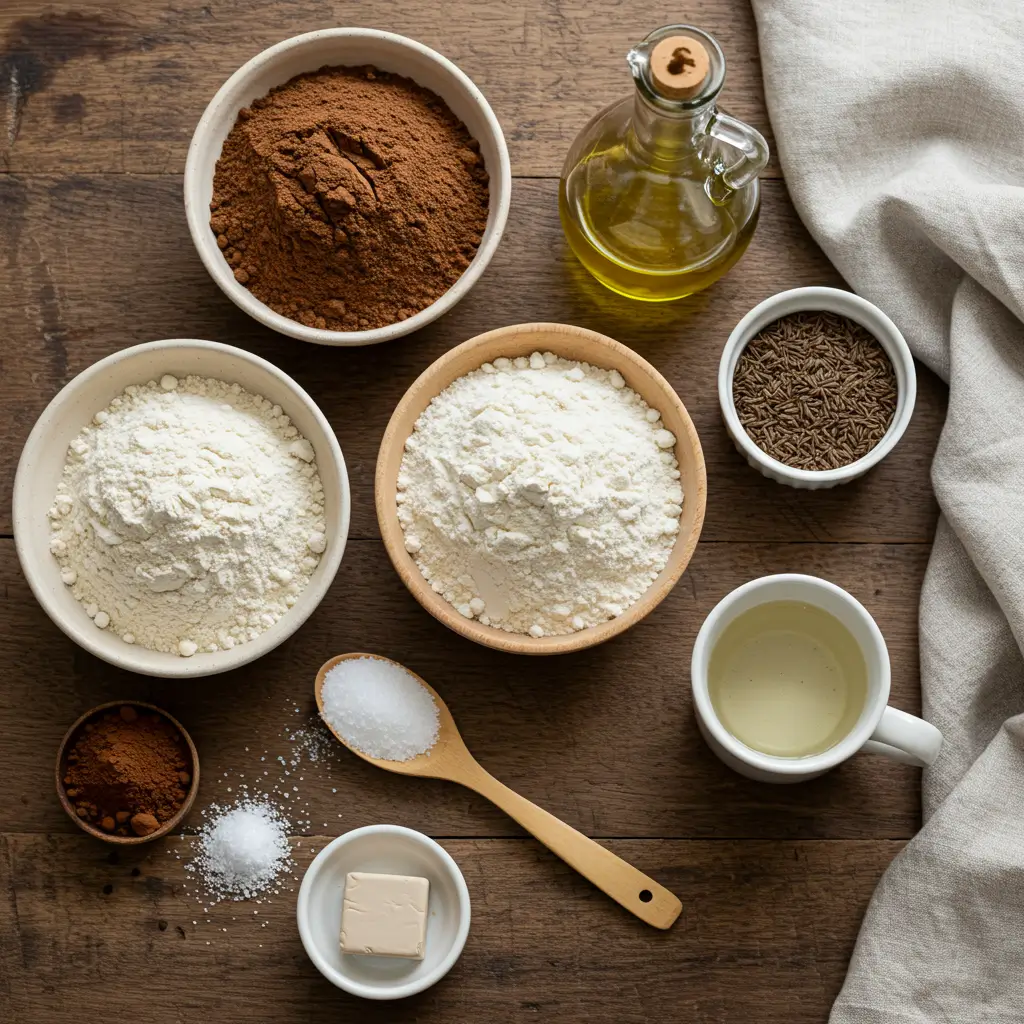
<point x="872" y="319"/>
<point x="368" y="991"/>
<point x="238" y="656"/>
<point x="216" y="266"/>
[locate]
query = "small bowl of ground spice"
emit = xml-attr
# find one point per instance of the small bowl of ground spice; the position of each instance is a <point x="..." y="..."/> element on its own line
<point x="127" y="772"/>
<point x="347" y="186"/>
<point x="816" y="386"/>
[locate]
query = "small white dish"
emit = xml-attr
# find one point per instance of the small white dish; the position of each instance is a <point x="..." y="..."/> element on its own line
<point x="310" y="52"/>
<point x="832" y="300"/>
<point x="386" y="849"/>
<point x="42" y="464"/>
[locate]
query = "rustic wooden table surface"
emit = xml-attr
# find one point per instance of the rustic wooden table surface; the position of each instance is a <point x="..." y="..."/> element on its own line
<point x="97" y="105"/>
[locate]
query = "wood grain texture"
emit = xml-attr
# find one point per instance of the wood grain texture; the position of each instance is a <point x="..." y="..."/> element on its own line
<point x="97" y="105"/>
<point x="121" y="269"/>
<point x="449" y="759"/>
<point x="765" y="935"/>
<point x="605" y="739"/>
<point x="116" y="87"/>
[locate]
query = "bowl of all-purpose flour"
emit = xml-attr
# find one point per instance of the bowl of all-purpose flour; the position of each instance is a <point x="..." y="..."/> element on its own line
<point x="540" y="488"/>
<point x="180" y="508"/>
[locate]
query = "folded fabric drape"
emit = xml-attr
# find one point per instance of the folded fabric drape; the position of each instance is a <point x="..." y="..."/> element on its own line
<point x="900" y="128"/>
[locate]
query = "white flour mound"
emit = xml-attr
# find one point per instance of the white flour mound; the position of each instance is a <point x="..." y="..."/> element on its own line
<point x="539" y="495"/>
<point x="189" y="517"/>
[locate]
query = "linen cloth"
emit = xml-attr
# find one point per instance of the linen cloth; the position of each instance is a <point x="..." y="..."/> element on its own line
<point x="900" y="129"/>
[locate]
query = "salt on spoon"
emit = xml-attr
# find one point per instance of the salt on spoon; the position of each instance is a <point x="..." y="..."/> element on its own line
<point x="396" y="721"/>
<point x="379" y="708"/>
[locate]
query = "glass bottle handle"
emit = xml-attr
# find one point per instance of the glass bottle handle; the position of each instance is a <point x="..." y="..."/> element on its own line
<point x="752" y="155"/>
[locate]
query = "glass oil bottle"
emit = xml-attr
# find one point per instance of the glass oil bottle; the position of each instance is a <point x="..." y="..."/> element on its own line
<point x="659" y="194"/>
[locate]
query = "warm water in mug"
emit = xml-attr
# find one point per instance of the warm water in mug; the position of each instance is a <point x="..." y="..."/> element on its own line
<point x="787" y="679"/>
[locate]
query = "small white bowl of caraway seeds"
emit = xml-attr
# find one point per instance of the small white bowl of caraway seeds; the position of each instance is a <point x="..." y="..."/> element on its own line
<point x="816" y="386"/>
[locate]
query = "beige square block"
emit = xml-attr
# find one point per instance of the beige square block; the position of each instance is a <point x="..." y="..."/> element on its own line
<point x="384" y="915"/>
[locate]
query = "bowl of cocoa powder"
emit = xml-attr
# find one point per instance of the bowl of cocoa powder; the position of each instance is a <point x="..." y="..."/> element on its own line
<point x="127" y="772"/>
<point x="347" y="186"/>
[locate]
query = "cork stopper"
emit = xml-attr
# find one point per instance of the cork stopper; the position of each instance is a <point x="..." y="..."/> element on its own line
<point x="679" y="67"/>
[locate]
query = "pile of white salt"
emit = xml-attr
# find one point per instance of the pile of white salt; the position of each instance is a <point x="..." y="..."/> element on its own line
<point x="242" y="849"/>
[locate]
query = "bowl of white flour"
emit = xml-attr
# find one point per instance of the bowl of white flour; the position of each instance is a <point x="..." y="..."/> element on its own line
<point x="540" y="488"/>
<point x="181" y="508"/>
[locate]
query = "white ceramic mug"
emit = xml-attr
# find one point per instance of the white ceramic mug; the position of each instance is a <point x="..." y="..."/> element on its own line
<point x="880" y="729"/>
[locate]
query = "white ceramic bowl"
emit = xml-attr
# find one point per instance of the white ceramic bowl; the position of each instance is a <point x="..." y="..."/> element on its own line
<point x="833" y="300"/>
<point x="309" y="52"/>
<point x="42" y="462"/>
<point x="388" y="849"/>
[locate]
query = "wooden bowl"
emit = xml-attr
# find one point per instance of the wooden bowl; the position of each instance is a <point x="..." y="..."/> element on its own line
<point x="570" y="343"/>
<point x="62" y="762"/>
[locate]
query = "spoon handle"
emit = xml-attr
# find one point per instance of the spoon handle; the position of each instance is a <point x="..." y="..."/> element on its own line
<point x="634" y="890"/>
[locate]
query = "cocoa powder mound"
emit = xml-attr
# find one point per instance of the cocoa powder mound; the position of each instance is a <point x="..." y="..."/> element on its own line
<point x="349" y="198"/>
<point x="128" y="771"/>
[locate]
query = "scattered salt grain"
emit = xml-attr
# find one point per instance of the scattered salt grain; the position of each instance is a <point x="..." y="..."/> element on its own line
<point x="379" y="708"/>
<point x="242" y="849"/>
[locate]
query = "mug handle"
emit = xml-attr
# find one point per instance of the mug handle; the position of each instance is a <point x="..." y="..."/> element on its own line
<point x="905" y="738"/>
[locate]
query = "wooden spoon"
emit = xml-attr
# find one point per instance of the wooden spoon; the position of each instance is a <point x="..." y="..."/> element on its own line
<point x="450" y="759"/>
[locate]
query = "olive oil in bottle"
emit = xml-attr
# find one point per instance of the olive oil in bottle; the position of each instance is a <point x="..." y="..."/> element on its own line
<point x="659" y="194"/>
